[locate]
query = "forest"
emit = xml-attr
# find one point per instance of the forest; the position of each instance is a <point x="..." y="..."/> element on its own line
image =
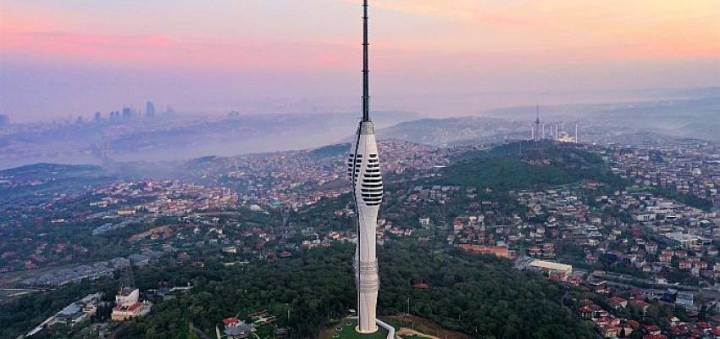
<point x="479" y="295"/>
<point x="482" y="296"/>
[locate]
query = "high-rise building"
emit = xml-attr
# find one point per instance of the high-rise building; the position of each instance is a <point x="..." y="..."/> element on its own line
<point x="367" y="184"/>
<point x="149" y="109"/>
<point x="536" y="130"/>
<point x="127" y="113"/>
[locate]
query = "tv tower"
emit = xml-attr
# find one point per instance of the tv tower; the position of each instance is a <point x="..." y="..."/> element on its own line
<point x="364" y="172"/>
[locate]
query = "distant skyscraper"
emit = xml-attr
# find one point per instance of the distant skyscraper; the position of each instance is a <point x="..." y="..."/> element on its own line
<point x="126" y="113"/>
<point x="536" y="131"/>
<point x="149" y="109"/>
<point x="4" y="120"/>
<point x="366" y="177"/>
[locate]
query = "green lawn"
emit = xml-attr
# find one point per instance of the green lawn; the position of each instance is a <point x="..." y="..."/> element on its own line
<point x="347" y="331"/>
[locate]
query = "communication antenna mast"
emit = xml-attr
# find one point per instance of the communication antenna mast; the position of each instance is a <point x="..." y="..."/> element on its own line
<point x="127" y="278"/>
<point x="366" y="66"/>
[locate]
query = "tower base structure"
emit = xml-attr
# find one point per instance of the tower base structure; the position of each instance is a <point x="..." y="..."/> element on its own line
<point x="349" y="330"/>
<point x="357" y="329"/>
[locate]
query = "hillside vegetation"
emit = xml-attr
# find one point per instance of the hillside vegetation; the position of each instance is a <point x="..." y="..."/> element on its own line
<point x="527" y="165"/>
<point x="478" y="295"/>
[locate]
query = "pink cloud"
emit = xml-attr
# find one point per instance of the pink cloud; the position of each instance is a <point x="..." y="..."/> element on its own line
<point x="476" y="33"/>
<point x="163" y="51"/>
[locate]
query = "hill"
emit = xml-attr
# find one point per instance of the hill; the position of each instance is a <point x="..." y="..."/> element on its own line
<point x="505" y="168"/>
<point x="40" y="181"/>
<point x="330" y="151"/>
<point x="45" y="170"/>
<point x="541" y="165"/>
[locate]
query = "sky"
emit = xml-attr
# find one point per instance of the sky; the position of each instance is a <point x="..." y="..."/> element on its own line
<point x="435" y="57"/>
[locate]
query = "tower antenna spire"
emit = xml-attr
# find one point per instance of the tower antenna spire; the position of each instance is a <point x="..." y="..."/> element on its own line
<point x="366" y="66"/>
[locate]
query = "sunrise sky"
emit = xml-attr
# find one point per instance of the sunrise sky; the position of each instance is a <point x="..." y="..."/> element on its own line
<point x="70" y="57"/>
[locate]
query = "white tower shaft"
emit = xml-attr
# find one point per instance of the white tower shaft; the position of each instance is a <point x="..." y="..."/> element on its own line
<point x="364" y="170"/>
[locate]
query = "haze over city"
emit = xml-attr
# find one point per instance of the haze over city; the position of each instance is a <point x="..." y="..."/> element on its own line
<point x="76" y="57"/>
<point x="359" y="169"/>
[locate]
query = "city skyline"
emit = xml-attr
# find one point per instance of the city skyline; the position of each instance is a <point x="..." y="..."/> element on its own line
<point x="85" y="57"/>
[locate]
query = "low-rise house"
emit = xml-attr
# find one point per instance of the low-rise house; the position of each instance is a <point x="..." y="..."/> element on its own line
<point x="618" y="303"/>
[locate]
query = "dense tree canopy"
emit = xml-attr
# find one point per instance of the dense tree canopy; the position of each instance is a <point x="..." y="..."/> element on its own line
<point x="507" y="167"/>
<point x="478" y="295"/>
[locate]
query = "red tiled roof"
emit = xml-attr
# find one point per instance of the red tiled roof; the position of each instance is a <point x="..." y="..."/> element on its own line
<point x="585" y="309"/>
<point x="230" y="321"/>
<point x="716" y="331"/>
<point x="652" y="328"/>
<point x="132" y="308"/>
